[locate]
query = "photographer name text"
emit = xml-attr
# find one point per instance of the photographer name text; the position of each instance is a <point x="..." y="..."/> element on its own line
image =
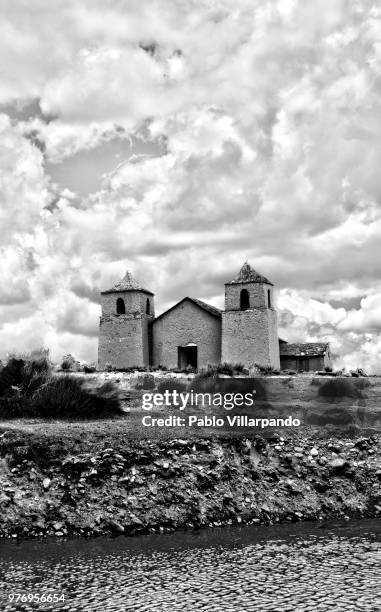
<point x="194" y="420"/>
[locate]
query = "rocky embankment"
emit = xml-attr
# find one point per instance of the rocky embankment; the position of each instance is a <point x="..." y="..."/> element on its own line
<point x="155" y="486"/>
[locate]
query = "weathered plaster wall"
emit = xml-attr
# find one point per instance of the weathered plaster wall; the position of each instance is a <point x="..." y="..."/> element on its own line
<point x="250" y="336"/>
<point x="187" y="323"/>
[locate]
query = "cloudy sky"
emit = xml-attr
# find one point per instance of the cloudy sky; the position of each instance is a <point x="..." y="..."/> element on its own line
<point x="179" y="138"/>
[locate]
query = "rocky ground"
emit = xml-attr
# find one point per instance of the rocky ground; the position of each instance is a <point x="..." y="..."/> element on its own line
<point x="107" y="484"/>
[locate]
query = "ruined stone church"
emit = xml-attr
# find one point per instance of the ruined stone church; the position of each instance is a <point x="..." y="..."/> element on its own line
<point x="192" y="332"/>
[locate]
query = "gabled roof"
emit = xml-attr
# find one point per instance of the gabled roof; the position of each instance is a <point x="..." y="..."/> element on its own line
<point x="303" y="349"/>
<point x="215" y="312"/>
<point x="128" y="283"/>
<point x="247" y="274"/>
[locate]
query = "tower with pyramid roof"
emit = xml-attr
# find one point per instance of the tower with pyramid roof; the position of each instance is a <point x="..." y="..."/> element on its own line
<point x="127" y="312"/>
<point x="249" y="321"/>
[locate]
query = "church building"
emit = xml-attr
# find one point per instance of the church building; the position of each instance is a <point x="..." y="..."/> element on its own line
<point x="192" y="332"/>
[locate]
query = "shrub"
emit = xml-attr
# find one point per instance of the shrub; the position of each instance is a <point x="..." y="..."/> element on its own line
<point x="11" y="375"/>
<point x="106" y="400"/>
<point x="41" y="360"/>
<point x="226" y="368"/>
<point x="23" y="375"/>
<point x="28" y="389"/>
<point x="145" y="382"/>
<point x="266" y="370"/>
<point x="343" y="387"/>
<point x="15" y="407"/>
<point x="109" y="367"/>
<point x="89" y="369"/>
<point x="337" y="416"/>
<point x="68" y="397"/>
<point x="37" y="370"/>
<point x="68" y="362"/>
<point x="171" y="384"/>
<point x="206" y="379"/>
<point x="211" y="370"/>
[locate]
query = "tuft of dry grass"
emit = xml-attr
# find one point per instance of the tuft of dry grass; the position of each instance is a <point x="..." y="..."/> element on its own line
<point x="28" y="389"/>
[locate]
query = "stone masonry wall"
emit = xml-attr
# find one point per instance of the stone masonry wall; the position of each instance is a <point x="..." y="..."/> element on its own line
<point x="250" y="336"/>
<point x="134" y="301"/>
<point x="123" y="338"/>
<point x="274" y="338"/>
<point x="257" y="295"/>
<point x="328" y="360"/>
<point x="187" y="323"/>
<point x="123" y="341"/>
<point x="310" y="364"/>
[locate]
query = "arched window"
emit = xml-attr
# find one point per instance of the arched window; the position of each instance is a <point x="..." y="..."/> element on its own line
<point x="120" y="307"/>
<point x="244" y="300"/>
<point x="269" y="298"/>
<point x="148" y="307"/>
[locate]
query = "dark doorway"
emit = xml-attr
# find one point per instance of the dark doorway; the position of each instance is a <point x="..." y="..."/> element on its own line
<point x="302" y="365"/>
<point x="187" y="356"/>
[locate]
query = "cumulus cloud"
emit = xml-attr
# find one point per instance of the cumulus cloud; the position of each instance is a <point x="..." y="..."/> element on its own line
<point x="367" y="318"/>
<point x="267" y="115"/>
<point x="23" y="183"/>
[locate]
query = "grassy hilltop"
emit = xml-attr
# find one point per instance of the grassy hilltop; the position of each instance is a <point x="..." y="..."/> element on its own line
<point x="76" y="460"/>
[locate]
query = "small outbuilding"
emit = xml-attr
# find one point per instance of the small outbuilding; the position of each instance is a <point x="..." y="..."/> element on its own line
<point x="304" y="357"/>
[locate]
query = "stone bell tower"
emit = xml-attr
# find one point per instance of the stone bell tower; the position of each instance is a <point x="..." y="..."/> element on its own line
<point x="249" y="322"/>
<point x="124" y="328"/>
